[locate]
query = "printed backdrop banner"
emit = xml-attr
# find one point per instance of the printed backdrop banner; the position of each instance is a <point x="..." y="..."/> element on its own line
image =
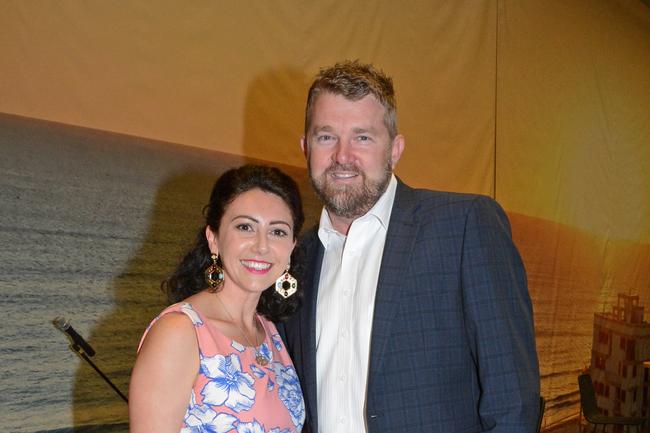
<point x="573" y="171"/>
<point x="542" y="104"/>
<point x="232" y="76"/>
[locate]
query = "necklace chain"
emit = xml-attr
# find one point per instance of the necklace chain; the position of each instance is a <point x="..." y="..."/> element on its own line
<point x="260" y="358"/>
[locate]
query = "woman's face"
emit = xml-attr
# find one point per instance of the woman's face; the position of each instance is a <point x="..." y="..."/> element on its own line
<point x="254" y="240"/>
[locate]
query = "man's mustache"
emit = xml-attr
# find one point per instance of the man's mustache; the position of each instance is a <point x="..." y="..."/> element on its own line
<point x="352" y="168"/>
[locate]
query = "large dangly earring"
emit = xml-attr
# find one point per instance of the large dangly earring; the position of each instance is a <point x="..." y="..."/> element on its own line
<point x="286" y="285"/>
<point x="214" y="274"/>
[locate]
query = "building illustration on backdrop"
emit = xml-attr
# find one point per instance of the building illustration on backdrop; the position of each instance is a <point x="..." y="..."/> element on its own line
<point x="621" y="345"/>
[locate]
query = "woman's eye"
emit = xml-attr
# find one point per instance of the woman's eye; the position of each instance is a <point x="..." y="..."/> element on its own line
<point x="280" y="233"/>
<point x="244" y="227"/>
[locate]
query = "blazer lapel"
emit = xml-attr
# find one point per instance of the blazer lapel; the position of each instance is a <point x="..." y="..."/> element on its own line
<point x="400" y="238"/>
<point x="313" y="257"/>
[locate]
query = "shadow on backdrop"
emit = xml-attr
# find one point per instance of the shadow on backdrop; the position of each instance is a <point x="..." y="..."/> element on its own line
<point x="273" y="120"/>
<point x="174" y="219"/>
<point x="274" y="114"/>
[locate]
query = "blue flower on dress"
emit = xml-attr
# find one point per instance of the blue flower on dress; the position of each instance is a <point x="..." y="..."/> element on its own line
<point x="277" y="342"/>
<point x="228" y="385"/>
<point x="290" y="393"/>
<point x="258" y="372"/>
<point x="250" y="427"/>
<point x="277" y="430"/>
<point x="189" y="311"/>
<point x="202" y="419"/>
<point x="270" y="384"/>
<point x="264" y="350"/>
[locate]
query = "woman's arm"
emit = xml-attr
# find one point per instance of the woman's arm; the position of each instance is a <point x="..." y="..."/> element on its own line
<point x="163" y="375"/>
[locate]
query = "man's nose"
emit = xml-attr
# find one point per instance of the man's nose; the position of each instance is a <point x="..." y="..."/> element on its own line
<point x="343" y="153"/>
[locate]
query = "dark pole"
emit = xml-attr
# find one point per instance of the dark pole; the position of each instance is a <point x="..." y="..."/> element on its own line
<point x="75" y="348"/>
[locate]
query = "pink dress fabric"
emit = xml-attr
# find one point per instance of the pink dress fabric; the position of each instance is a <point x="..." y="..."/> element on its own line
<point x="232" y="393"/>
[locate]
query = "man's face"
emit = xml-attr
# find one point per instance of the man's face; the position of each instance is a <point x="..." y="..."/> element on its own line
<point x="349" y="153"/>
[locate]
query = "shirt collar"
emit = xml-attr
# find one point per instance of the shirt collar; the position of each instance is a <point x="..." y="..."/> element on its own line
<point x="381" y="210"/>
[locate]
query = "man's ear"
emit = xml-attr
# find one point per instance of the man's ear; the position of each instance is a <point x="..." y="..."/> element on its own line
<point x="397" y="149"/>
<point x="304" y="147"/>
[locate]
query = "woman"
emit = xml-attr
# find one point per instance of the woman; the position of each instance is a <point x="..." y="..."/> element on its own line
<point x="214" y="362"/>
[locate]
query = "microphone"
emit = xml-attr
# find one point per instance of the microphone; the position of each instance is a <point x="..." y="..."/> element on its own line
<point x="64" y="326"/>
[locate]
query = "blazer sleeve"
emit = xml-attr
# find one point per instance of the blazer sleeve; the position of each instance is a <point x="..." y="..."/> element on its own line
<point x="499" y="321"/>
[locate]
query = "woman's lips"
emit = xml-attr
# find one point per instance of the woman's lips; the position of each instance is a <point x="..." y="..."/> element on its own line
<point x="256" y="266"/>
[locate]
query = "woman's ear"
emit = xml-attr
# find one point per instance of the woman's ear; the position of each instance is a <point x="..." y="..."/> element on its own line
<point x="212" y="240"/>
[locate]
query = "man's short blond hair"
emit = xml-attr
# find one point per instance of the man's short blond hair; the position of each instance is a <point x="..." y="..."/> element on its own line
<point x="354" y="80"/>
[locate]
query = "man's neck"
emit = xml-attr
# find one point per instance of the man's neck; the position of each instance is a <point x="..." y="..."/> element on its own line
<point x="339" y="223"/>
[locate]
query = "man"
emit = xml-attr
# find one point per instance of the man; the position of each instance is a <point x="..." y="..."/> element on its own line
<point x="416" y="316"/>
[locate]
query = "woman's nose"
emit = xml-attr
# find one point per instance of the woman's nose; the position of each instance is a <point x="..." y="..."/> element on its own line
<point x="261" y="242"/>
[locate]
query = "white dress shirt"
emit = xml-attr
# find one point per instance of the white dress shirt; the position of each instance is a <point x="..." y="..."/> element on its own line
<point x="345" y="307"/>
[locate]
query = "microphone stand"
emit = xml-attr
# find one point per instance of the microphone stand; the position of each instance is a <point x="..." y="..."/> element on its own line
<point x="79" y="346"/>
<point x="79" y="351"/>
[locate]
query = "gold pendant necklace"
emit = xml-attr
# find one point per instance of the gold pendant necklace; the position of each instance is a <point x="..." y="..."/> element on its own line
<point x="260" y="358"/>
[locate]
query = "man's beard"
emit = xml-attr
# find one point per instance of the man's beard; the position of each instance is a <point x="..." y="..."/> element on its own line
<point x="350" y="201"/>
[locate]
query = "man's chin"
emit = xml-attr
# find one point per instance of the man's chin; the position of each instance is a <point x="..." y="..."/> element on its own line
<point x="340" y="191"/>
<point x="340" y="194"/>
<point x="335" y="191"/>
<point x="345" y="205"/>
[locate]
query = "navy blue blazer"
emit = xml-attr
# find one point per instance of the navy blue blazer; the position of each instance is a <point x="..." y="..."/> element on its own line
<point x="453" y="342"/>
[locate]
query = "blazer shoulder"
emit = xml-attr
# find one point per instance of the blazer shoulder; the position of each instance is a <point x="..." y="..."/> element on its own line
<point x="431" y="202"/>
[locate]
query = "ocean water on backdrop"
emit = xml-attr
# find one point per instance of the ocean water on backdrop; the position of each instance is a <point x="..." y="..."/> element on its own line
<point x="90" y="224"/>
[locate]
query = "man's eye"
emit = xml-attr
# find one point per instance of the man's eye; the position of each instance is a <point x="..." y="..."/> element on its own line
<point x="244" y="227"/>
<point x="363" y="138"/>
<point x="324" y="138"/>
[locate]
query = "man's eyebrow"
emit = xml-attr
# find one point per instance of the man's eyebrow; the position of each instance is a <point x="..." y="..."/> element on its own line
<point x="360" y="130"/>
<point x="325" y="128"/>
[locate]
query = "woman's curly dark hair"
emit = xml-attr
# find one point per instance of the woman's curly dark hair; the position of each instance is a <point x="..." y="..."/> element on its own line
<point x="188" y="278"/>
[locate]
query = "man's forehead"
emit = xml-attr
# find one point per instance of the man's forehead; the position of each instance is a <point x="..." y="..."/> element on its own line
<point x="327" y="93"/>
<point x="328" y="112"/>
<point x="333" y="103"/>
<point x="356" y="129"/>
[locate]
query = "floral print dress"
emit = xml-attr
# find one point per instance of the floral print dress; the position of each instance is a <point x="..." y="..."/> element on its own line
<point x="232" y="393"/>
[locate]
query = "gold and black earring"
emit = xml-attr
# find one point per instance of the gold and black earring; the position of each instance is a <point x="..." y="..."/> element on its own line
<point x="286" y="285"/>
<point x="214" y="274"/>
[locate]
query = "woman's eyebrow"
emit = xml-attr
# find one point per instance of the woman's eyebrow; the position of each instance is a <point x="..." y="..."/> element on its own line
<point x="255" y="220"/>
